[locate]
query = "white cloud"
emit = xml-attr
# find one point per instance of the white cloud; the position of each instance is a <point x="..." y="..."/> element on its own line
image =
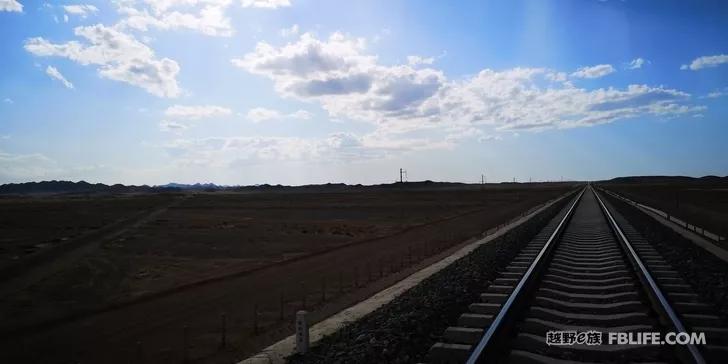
<point x="56" y="75"/>
<point x="267" y="4"/>
<point x="226" y="151"/>
<point x="637" y="63"/>
<point x="208" y="17"/>
<point x="11" y="5"/>
<point x="556" y="76"/>
<point x="348" y="83"/>
<point x="515" y="99"/>
<point x="171" y="126"/>
<point x="259" y="114"/>
<point x="597" y="71"/>
<point x="196" y="112"/>
<point x="301" y="114"/>
<point x="382" y="34"/>
<point x="489" y="137"/>
<point x="81" y="10"/>
<point x="37" y="166"/>
<point x="308" y="57"/>
<point x="287" y="32"/>
<point x="461" y="133"/>
<point x="119" y="56"/>
<point x="336" y="147"/>
<point x="205" y="16"/>
<point x="177" y="113"/>
<point x="717" y="93"/>
<point x="24" y="167"/>
<point x="706" y="62"/>
<point x="417" y="60"/>
<point x="8" y="100"/>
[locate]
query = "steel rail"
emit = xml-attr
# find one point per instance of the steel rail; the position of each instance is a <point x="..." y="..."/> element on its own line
<point x="653" y="290"/>
<point x="482" y="350"/>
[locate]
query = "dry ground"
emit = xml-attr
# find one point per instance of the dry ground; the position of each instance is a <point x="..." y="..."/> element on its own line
<point x="28" y="225"/>
<point x="704" y="204"/>
<point x="231" y="252"/>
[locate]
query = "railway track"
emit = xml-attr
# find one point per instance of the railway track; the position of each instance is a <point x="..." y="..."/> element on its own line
<point x="589" y="275"/>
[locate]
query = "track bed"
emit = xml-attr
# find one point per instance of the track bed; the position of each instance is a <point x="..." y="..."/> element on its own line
<point x="583" y="273"/>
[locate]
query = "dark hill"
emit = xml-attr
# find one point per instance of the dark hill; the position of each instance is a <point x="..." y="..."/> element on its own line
<point x="56" y="187"/>
<point x="667" y="179"/>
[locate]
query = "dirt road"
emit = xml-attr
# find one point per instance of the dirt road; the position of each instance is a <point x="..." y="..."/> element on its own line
<point x="63" y="257"/>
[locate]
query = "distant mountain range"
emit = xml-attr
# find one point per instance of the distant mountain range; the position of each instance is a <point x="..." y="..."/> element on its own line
<point x="196" y="186"/>
<point x="56" y="187"/>
<point x="83" y="187"/>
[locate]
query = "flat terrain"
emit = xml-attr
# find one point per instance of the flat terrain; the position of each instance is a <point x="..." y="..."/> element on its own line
<point x="185" y="260"/>
<point x="702" y="202"/>
<point x="29" y="225"/>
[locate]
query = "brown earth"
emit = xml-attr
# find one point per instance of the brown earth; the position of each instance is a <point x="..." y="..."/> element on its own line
<point x="29" y="225"/>
<point x="702" y="203"/>
<point x="187" y="261"/>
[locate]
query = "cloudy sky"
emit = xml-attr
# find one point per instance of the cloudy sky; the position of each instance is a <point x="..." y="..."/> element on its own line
<point x="304" y="91"/>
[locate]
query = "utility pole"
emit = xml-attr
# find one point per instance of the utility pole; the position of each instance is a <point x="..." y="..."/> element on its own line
<point x="482" y="179"/>
<point x="402" y="175"/>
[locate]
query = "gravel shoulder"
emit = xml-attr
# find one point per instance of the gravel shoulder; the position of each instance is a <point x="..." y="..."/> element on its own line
<point x="705" y="272"/>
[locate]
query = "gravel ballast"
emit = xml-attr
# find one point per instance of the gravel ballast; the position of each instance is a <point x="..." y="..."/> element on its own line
<point x="707" y="274"/>
<point x="404" y="330"/>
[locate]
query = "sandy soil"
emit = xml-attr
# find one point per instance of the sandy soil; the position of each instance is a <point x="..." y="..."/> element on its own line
<point x="28" y="225"/>
<point x="244" y="251"/>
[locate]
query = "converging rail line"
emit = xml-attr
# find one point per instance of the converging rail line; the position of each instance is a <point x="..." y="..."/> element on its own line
<point x="587" y="272"/>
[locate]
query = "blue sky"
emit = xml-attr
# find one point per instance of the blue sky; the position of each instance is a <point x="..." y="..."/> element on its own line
<point x="302" y="91"/>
